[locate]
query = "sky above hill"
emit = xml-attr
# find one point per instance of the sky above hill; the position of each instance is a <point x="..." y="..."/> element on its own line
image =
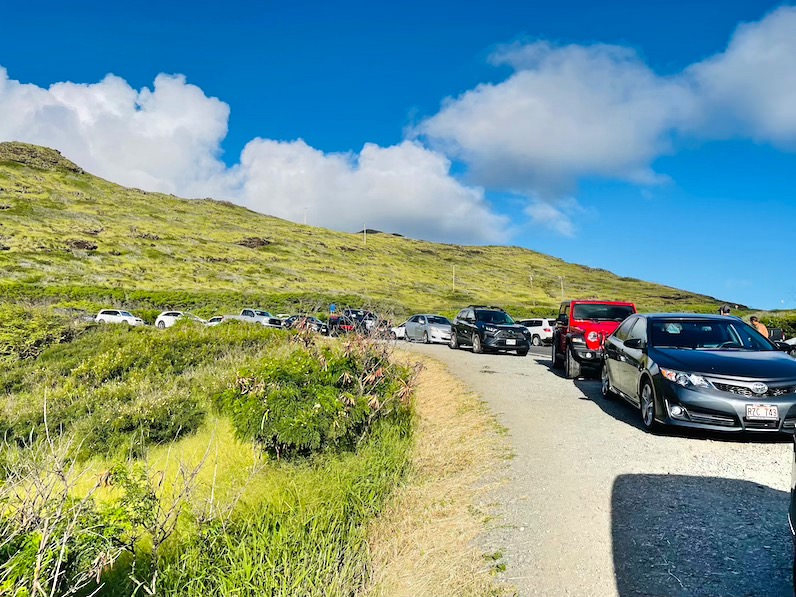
<point x="654" y="139"/>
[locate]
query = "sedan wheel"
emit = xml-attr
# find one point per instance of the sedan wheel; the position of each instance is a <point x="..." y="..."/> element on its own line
<point x="161" y="325"/>
<point x="477" y="348"/>
<point x="425" y="337"/>
<point x="647" y="406"/>
<point x="605" y="387"/>
<point x="536" y="340"/>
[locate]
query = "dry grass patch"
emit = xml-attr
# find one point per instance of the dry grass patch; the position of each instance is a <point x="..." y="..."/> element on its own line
<point x="424" y="543"/>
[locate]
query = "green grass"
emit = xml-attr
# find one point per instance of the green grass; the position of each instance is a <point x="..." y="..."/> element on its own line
<point x="157" y="251"/>
<point x="143" y="426"/>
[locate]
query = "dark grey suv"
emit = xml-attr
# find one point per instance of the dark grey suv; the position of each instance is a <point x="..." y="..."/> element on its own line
<point x="489" y="329"/>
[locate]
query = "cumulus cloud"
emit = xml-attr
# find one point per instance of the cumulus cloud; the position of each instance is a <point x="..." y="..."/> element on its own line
<point x="168" y="139"/>
<point x="572" y="112"/>
<point x="565" y="113"/>
<point x="749" y="89"/>
<point x="404" y="188"/>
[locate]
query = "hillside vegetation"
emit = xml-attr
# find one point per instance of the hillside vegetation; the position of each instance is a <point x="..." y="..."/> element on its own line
<point x="72" y="239"/>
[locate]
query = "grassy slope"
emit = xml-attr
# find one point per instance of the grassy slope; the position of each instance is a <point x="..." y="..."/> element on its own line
<point x="150" y="241"/>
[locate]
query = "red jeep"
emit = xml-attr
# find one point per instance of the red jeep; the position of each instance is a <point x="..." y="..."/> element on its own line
<point x="580" y="329"/>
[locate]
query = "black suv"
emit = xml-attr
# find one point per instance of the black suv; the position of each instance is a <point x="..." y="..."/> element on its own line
<point x="489" y="328"/>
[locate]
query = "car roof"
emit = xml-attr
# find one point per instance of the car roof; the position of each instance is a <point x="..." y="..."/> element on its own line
<point x="702" y="316"/>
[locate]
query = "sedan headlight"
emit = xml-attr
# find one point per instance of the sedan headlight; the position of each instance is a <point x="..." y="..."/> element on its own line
<point x="685" y="379"/>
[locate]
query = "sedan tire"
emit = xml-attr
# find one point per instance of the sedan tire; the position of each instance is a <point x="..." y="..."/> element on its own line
<point x="646" y="399"/>
<point x="161" y="325"/>
<point x="605" y="387"/>
<point x="425" y="338"/>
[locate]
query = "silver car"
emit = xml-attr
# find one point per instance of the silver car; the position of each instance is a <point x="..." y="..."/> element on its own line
<point x="427" y="328"/>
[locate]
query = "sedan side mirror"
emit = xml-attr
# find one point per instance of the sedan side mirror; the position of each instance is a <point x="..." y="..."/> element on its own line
<point x="635" y="343"/>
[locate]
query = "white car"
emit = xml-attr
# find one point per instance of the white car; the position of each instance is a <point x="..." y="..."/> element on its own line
<point x="214" y="320"/>
<point x="118" y="316"/>
<point x="541" y="330"/>
<point x="398" y="332"/>
<point x="169" y="318"/>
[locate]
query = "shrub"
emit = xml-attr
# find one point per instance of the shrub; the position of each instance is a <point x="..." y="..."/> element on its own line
<point x="316" y="399"/>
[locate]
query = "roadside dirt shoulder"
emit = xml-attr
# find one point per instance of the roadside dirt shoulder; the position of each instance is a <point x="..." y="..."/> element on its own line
<point x="425" y="544"/>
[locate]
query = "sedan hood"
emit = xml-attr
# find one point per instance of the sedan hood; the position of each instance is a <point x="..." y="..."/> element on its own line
<point x="729" y="363"/>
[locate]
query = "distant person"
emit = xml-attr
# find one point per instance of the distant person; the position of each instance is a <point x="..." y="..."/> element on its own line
<point x="724" y="310"/>
<point x="758" y="326"/>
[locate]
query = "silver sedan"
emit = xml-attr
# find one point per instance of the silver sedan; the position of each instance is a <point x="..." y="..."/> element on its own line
<point x="427" y="328"/>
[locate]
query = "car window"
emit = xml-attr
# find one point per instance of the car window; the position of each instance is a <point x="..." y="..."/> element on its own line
<point x="623" y="331"/>
<point x="439" y="320"/>
<point x="263" y="313"/>
<point x="125" y="314"/>
<point x="496" y="317"/>
<point x="599" y="312"/>
<point x="413" y="319"/>
<point x="707" y="335"/>
<point x="639" y="329"/>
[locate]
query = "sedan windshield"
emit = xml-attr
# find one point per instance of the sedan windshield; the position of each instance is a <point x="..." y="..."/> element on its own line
<point x="706" y="335"/>
<point x="263" y="313"/>
<point x="438" y="320"/>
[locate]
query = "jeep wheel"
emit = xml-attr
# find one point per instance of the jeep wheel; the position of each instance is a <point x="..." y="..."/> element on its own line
<point x="536" y="340"/>
<point x="558" y="362"/>
<point x="571" y="366"/>
<point x="453" y="343"/>
<point x="477" y="347"/>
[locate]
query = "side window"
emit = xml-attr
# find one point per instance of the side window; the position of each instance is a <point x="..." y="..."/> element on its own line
<point x="413" y="319"/>
<point x="248" y="313"/>
<point x="536" y="323"/>
<point x="421" y="320"/>
<point x="639" y="330"/>
<point x="623" y="331"/>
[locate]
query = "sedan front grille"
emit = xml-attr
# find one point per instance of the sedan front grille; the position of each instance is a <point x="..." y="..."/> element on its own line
<point x="509" y="334"/>
<point x="712" y="419"/>
<point x="747" y="392"/>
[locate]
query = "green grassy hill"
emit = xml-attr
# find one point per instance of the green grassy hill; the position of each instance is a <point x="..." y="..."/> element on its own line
<point x="72" y="239"/>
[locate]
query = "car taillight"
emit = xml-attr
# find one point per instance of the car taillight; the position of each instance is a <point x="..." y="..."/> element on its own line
<point x="547" y="330"/>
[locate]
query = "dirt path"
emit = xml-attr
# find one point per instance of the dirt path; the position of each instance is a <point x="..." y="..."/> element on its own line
<point x="594" y="505"/>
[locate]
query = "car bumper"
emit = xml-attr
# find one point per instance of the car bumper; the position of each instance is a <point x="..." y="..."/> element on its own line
<point x="719" y="411"/>
<point x="587" y="357"/>
<point x="492" y="343"/>
<point x="439" y="336"/>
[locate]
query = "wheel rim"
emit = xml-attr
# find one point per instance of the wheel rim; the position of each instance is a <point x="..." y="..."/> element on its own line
<point x="606" y="385"/>
<point x="647" y="405"/>
<point x="425" y="337"/>
<point x="476" y="343"/>
<point x="536" y="341"/>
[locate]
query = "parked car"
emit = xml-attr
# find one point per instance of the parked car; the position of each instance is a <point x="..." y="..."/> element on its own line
<point x="705" y="371"/>
<point x="306" y="322"/>
<point x="489" y="329"/>
<point x="257" y="316"/>
<point x="792" y="509"/>
<point x="169" y="318"/>
<point x="398" y="332"/>
<point x="428" y="328"/>
<point x="357" y="320"/>
<point x="581" y="326"/>
<point x="541" y="330"/>
<point x="118" y="316"/>
<point x="215" y="320"/>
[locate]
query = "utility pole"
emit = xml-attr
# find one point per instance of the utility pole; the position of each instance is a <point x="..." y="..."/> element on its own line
<point x="364" y="235"/>
<point x="533" y="298"/>
<point x="454" y="278"/>
<point x="561" y="279"/>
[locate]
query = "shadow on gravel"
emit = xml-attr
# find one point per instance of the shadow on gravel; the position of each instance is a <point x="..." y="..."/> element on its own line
<point x="683" y="536"/>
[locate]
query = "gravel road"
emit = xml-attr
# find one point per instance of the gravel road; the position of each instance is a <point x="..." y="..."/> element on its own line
<point x="594" y="505"/>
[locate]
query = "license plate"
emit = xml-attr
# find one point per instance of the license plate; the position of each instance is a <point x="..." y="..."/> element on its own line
<point x="762" y="411"/>
<point x="510" y="342"/>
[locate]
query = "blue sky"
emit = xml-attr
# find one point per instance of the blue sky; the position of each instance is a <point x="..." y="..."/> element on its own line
<point x="653" y="139"/>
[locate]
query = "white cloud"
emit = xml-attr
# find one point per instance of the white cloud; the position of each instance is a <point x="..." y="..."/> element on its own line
<point x="564" y="114"/>
<point x="405" y="188"/>
<point x="168" y="139"/>
<point x="554" y="216"/>
<point x="749" y="90"/>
